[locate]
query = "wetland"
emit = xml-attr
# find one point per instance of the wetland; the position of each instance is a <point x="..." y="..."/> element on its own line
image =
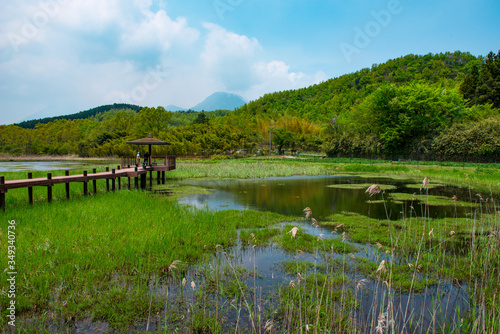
<point x="240" y="254"/>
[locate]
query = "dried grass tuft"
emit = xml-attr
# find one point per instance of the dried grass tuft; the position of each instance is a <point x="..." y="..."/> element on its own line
<point x="293" y="231"/>
<point x="373" y="189"/>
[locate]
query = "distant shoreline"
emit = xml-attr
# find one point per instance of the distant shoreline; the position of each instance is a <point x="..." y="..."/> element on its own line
<point x="4" y="158"/>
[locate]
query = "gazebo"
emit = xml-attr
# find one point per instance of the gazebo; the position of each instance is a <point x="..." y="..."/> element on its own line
<point x="161" y="165"/>
<point x="149" y="140"/>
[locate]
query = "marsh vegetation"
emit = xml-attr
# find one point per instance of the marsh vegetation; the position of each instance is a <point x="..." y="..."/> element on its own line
<point x="140" y="261"/>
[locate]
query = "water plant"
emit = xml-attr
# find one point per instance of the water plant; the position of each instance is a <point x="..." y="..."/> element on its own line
<point x="137" y="261"/>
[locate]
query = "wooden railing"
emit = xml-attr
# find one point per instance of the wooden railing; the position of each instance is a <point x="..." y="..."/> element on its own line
<point x="171" y="162"/>
<point x="153" y="161"/>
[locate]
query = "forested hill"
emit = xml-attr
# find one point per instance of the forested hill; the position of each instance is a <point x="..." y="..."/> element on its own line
<point x="434" y="107"/>
<point x="80" y="115"/>
<point x="321" y="102"/>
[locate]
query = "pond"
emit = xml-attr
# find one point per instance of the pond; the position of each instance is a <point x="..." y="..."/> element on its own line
<point x="268" y="272"/>
<point x="326" y="195"/>
<point x="31" y="166"/>
<point x="431" y="307"/>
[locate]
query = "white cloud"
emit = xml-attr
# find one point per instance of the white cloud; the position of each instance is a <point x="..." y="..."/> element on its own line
<point x="86" y="53"/>
<point x="221" y="44"/>
<point x="229" y="57"/>
<point x="276" y="76"/>
<point x="157" y="30"/>
<point x="277" y="70"/>
<point x="91" y="15"/>
<point x="93" y="52"/>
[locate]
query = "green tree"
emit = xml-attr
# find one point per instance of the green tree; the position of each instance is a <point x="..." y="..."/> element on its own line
<point x="201" y="118"/>
<point x="469" y="85"/>
<point x="283" y="138"/>
<point x="153" y="120"/>
<point x="488" y="90"/>
<point x="483" y="87"/>
<point x="411" y="112"/>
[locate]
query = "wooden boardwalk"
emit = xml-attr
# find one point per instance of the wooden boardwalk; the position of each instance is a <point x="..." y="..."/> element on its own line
<point x="138" y="173"/>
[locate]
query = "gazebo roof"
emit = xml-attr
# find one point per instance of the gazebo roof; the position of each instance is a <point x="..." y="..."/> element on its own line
<point x="149" y="140"/>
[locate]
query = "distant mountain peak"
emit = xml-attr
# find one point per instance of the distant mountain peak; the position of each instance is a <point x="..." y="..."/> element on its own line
<point x="172" y="107"/>
<point x="220" y="101"/>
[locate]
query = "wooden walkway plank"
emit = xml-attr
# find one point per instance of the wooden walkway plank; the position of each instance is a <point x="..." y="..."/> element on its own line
<point x="53" y="180"/>
<point x="139" y="174"/>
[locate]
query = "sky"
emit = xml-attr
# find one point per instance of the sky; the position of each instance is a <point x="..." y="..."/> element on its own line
<point x="64" y="56"/>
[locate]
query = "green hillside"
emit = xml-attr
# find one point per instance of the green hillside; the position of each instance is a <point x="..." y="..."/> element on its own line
<point x="434" y="106"/>
<point x="323" y="101"/>
<point x="80" y="115"/>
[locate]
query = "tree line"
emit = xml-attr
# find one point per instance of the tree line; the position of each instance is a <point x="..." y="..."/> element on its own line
<point x="442" y="106"/>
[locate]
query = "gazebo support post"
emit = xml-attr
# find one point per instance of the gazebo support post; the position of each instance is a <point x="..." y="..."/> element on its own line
<point x="107" y="180"/>
<point x="94" y="182"/>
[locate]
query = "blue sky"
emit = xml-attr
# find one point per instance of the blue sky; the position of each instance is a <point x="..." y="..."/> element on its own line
<point x="64" y="56"/>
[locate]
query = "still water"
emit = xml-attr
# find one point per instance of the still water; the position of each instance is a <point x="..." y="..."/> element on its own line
<point x="290" y="195"/>
<point x="31" y="166"/>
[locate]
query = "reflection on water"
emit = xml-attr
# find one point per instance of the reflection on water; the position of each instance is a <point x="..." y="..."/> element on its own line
<point x="19" y="166"/>
<point x="434" y="306"/>
<point x="289" y="195"/>
<point x="431" y="307"/>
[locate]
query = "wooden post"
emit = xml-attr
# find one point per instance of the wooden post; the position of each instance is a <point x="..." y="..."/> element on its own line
<point x="30" y="189"/>
<point x="119" y="179"/>
<point x="150" y="179"/>
<point x="94" y="182"/>
<point x="85" y="186"/>
<point x="107" y="180"/>
<point x="136" y="179"/>
<point x="2" y="194"/>
<point x="49" y="188"/>
<point x="128" y="182"/>
<point x="113" y="180"/>
<point x="163" y="177"/>
<point x="66" y="173"/>
<point x="143" y="180"/>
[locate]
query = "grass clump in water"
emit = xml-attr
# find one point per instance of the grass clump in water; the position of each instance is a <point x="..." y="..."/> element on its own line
<point x="258" y="237"/>
<point x="357" y="186"/>
<point x="308" y="243"/>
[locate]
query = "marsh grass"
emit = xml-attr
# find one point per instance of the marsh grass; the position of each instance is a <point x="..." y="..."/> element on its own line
<point x="433" y="200"/>
<point x="258" y="237"/>
<point x="357" y="186"/>
<point x="306" y="242"/>
<point x="139" y="262"/>
<point x="243" y="169"/>
<point x="76" y="264"/>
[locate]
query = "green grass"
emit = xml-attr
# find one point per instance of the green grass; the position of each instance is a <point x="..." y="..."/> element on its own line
<point x="245" y="168"/>
<point x="419" y="186"/>
<point x="70" y="263"/>
<point x="109" y="257"/>
<point x="177" y="190"/>
<point x="258" y="237"/>
<point x="358" y="186"/>
<point x="433" y="200"/>
<point x="306" y="242"/>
